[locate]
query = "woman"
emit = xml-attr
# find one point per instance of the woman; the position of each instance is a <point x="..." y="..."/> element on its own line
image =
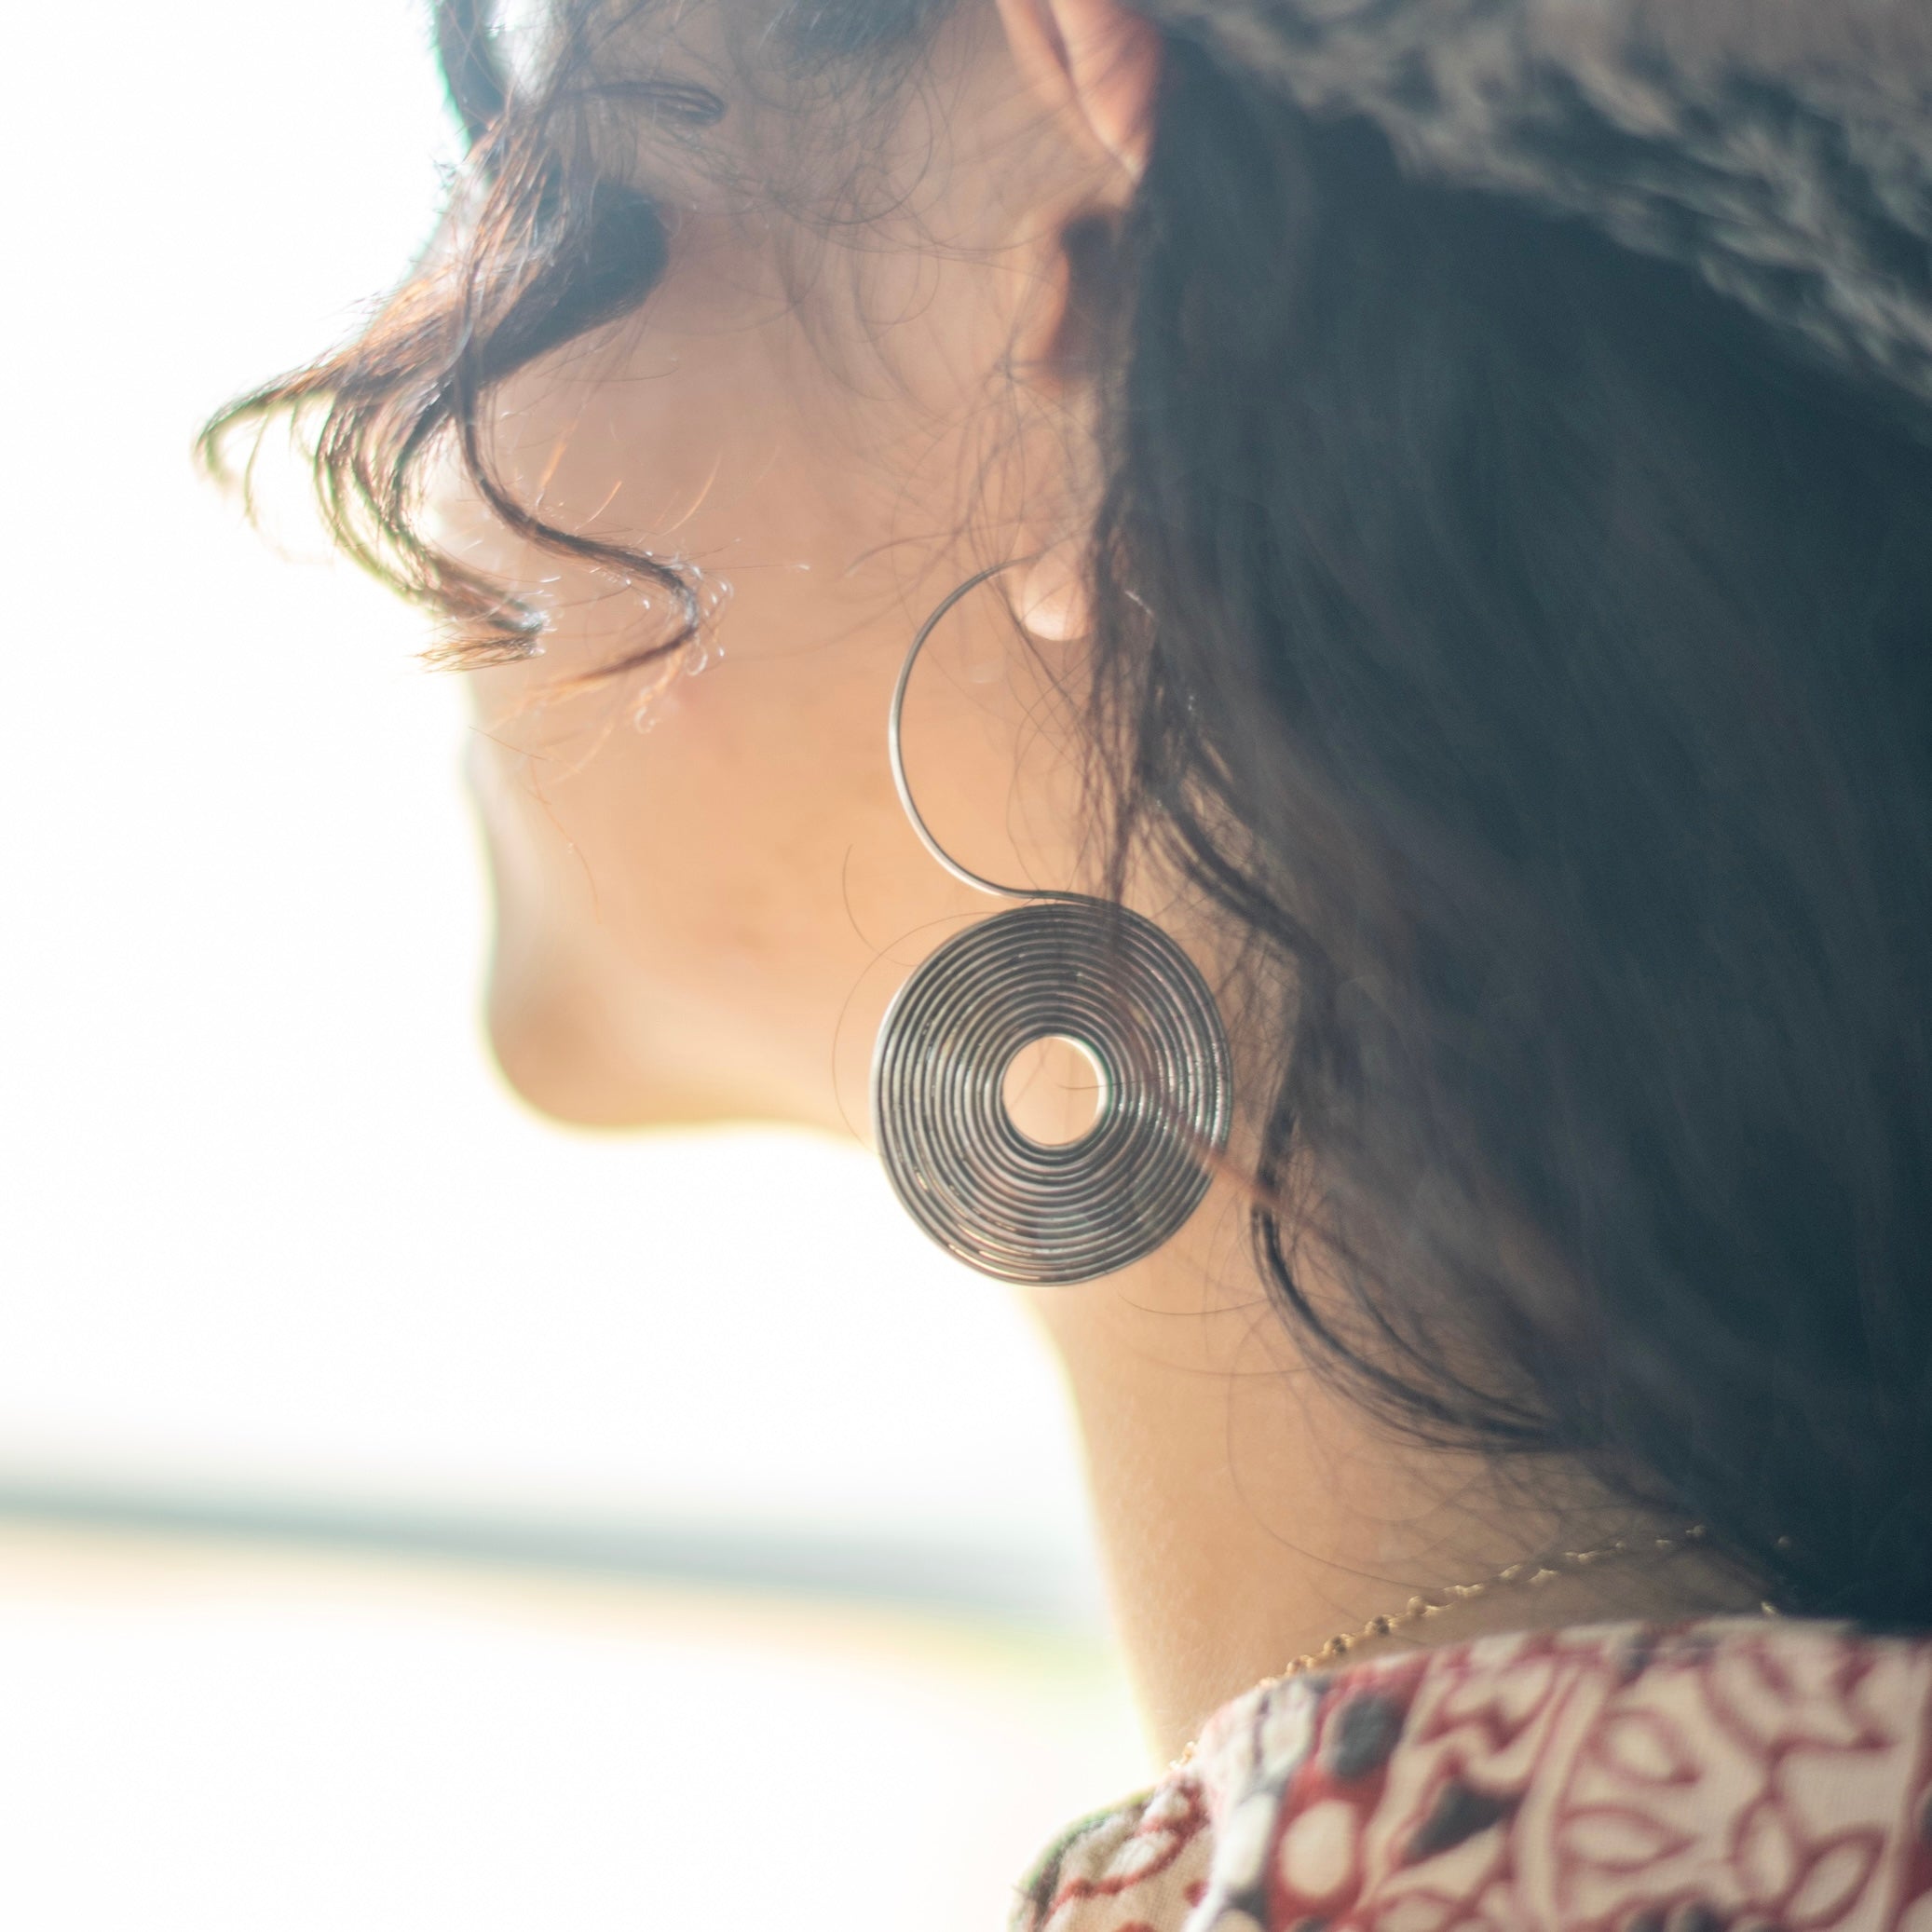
<point x="1423" y="509"/>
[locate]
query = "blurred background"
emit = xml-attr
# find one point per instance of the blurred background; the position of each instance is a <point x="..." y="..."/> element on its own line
<point x="413" y="1515"/>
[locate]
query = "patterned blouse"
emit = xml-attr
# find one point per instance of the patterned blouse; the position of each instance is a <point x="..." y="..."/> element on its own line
<point x="1729" y="1775"/>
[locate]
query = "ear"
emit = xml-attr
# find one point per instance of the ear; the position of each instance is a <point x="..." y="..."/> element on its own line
<point x="1094" y="63"/>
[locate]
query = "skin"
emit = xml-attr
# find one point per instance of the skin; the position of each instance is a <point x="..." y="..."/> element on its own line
<point x="706" y="917"/>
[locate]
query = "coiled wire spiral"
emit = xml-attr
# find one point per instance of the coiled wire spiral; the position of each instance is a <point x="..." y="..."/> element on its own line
<point x="1064" y="966"/>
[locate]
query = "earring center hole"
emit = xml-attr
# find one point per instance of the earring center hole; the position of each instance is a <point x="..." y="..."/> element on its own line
<point x="1054" y="1091"/>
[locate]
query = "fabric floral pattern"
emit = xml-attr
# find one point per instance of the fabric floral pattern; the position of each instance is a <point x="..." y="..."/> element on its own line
<point x="1723" y="1776"/>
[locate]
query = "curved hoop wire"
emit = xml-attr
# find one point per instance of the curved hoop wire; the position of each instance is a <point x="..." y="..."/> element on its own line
<point x="896" y="752"/>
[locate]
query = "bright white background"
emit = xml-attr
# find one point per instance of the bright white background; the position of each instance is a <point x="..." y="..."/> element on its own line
<point x="274" y="1238"/>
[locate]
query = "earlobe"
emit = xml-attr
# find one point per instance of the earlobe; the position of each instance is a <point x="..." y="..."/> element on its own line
<point x="1095" y="62"/>
<point x="1052" y="599"/>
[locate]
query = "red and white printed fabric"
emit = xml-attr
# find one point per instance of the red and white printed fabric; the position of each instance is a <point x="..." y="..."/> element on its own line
<point x="1721" y="1777"/>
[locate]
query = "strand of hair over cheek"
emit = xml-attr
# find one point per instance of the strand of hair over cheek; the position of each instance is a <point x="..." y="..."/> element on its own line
<point x="536" y="250"/>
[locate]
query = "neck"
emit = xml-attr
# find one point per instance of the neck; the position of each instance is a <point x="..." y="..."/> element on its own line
<point x="1247" y="1511"/>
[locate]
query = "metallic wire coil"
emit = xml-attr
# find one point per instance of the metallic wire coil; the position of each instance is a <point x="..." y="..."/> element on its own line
<point x="1063" y="967"/>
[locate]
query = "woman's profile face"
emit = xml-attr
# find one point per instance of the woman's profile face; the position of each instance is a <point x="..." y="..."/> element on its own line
<point x="706" y="890"/>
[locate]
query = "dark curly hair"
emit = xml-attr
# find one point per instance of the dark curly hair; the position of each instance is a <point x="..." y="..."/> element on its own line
<point x="1530" y="654"/>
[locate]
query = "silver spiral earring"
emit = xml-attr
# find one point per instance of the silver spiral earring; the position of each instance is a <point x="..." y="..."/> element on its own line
<point x="1062" y="966"/>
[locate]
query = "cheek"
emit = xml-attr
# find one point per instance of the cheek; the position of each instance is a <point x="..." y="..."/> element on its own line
<point x="700" y="846"/>
<point x="672" y="933"/>
<point x="690" y="907"/>
<point x="707" y="432"/>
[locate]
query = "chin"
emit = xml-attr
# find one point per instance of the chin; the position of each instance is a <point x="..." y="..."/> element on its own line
<point x="560" y="1057"/>
<point x="583" y="1037"/>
